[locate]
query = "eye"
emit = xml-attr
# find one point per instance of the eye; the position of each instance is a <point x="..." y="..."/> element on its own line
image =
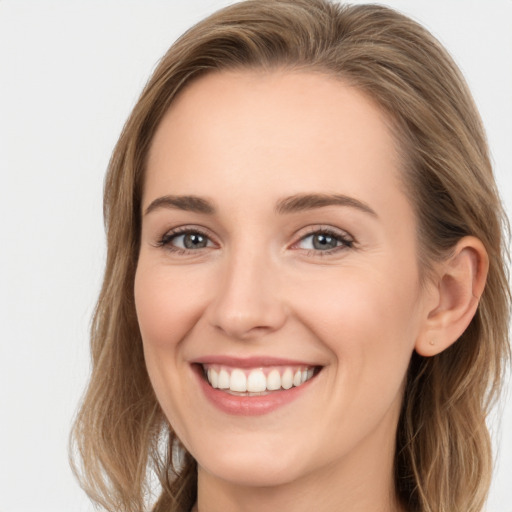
<point x="185" y="240"/>
<point x="324" y="241"/>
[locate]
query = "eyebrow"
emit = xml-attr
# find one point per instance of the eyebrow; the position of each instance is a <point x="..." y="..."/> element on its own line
<point x="301" y="202"/>
<point x="292" y="204"/>
<point x="187" y="203"/>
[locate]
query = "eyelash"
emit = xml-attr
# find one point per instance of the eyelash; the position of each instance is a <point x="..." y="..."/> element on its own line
<point x="167" y="238"/>
<point x="345" y="241"/>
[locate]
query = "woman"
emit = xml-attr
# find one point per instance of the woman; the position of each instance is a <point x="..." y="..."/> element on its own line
<point x="305" y="302"/>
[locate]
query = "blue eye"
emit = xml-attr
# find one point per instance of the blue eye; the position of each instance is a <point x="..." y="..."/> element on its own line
<point x="319" y="241"/>
<point x="324" y="241"/>
<point x="189" y="240"/>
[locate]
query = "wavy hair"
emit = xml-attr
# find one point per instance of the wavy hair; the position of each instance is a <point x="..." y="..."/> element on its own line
<point x="443" y="453"/>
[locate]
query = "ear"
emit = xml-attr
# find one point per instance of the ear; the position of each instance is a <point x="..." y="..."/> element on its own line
<point x="458" y="286"/>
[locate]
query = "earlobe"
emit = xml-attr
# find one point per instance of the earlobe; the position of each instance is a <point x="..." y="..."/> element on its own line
<point x="460" y="283"/>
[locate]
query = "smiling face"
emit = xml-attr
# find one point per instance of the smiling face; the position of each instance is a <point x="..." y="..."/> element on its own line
<point x="279" y="252"/>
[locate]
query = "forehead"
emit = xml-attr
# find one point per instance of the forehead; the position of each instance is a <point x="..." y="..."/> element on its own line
<point x="295" y="130"/>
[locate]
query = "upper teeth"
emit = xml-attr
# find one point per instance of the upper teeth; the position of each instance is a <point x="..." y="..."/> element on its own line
<point x="256" y="380"/>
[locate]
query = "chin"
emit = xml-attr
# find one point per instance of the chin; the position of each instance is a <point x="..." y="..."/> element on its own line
<point x="256" y="468"/>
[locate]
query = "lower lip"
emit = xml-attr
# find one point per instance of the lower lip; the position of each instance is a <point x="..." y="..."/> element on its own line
<point x="249" y="405"/>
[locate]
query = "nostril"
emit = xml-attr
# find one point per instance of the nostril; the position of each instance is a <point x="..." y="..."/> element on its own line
<point x="247" y="304"/>
<point x="246" y="327"/>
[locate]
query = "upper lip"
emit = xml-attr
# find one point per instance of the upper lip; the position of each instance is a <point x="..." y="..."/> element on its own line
<point x="251" y="362"/>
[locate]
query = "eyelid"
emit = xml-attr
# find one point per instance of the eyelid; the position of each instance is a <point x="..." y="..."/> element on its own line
<point x="347" y="240"/>
<point x="165" y="240"/>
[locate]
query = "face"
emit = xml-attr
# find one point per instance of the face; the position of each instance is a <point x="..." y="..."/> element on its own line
<point x="277" y="288"/>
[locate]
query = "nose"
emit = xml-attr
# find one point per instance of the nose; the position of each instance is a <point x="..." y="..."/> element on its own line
<point x="248" y="302"/>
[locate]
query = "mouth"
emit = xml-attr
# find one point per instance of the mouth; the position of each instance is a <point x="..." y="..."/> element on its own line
<point x="257" y="381"/>
<point x="253" y="386"/>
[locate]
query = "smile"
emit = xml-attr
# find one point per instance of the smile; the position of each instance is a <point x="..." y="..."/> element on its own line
<point x="256" y="381"/>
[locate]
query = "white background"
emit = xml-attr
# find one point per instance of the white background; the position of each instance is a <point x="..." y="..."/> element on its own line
<point x="70" y="71"/>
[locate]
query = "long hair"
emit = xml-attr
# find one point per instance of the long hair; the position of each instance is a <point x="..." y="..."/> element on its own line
<point x="443" y="452"/>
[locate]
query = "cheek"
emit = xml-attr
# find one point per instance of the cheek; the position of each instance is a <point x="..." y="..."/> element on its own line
<point x="369" y="322"/>
<point x="167" y="305"/>
<point x="351" y="304"/>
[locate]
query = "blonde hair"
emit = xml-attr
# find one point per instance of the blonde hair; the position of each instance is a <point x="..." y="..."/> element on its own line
<point x="443" y="454"/>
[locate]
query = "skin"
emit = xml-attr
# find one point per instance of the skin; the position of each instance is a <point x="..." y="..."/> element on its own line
<point x="244" y="141"/>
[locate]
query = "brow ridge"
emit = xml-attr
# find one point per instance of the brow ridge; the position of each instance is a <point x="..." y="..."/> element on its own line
<point x="292" y="204"/>
<point x="302" y="202"/>
<point x="187" y="203"/>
